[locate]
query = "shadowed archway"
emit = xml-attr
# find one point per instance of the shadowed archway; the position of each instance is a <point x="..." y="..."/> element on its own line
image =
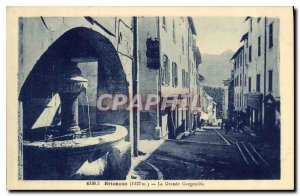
<point x="84" y="45"/>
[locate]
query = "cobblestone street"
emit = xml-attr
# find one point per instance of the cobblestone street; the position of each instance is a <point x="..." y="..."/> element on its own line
<point x="211" y="154"/>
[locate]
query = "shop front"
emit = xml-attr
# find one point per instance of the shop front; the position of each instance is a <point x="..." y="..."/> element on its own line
<point x="254" y="112"/>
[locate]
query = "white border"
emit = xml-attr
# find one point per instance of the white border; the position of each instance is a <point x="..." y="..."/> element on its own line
<point x="106" y="3"/>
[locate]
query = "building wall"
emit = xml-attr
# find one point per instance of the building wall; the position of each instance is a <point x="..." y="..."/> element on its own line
<point x="173" y="50"/>
<point x="259" y="27"/>
<point x="256" y="66"/>
<point x="148" y="78"/>
<point x="273" y="59"/>
<point x="238" y="66"/>
<point x="176" y="43"/>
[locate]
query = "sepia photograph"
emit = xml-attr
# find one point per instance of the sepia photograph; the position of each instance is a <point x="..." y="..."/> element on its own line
<point x="164" y="101"/>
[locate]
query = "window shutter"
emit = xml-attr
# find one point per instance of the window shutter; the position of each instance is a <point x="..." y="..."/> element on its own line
<point x="168" y="73"/>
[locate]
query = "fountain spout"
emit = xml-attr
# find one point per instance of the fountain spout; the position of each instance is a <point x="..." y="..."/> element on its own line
<point x="70" y="85"/>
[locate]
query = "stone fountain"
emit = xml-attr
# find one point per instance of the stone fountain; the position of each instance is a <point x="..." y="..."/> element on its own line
<point x="103" y="154"/>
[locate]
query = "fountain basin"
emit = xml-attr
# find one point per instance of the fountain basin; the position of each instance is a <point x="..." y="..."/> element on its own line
<point x="102" y="155"/>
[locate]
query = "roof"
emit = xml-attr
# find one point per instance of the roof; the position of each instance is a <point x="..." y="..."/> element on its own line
<point x="191" y="22"/>
<point x="197" y="55"/>
<point x="237" y="52"/>
<point x="201" y="78"/>
<point x="245" y="36"/>
<point x="227" y="81"/>
<point x="247" y="18"/>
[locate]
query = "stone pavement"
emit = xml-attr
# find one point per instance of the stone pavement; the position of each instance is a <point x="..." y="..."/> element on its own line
<point x="207" y="136"/>
<point x="204" y="155"/>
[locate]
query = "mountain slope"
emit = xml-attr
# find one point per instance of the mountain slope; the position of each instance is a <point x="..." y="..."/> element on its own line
<point x="216" y="68"/>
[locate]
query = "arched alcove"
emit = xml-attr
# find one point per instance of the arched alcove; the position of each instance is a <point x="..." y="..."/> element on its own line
<point x="38" y="94"/>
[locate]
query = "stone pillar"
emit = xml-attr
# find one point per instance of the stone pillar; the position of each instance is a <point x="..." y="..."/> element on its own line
<point x="69" y="112"/>
<point x="69" y="87"/>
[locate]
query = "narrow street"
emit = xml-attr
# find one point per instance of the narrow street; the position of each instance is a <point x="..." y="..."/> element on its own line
<point x="211" y="154"/>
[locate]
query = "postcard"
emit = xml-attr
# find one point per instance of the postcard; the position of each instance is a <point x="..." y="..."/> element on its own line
<point x="157" y="98"/>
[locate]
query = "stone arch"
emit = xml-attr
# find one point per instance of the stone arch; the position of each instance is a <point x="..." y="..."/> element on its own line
<point x="82" y="44"/>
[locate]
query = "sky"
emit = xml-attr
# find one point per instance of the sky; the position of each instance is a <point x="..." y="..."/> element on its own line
<point x="218" y="34"/>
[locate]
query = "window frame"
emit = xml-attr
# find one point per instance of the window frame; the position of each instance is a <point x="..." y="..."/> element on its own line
<point x="174" y="74"/>
<point x="249" y="85"/>
<point x="271" y="35"/>
<point x="183" y="78"/>
<point x="258" y="82"/>
<point x="164" y="23"/>
<point x="270" y="80"/>
<point x="250" y="54"/>
<point x="259" y="46"/>
<point x="174" y="32"/>
<point x="165" y="71"/>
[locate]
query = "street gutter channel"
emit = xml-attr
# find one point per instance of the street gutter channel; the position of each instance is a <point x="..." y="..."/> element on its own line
<point x="159" y="174"/>
<point x="227" y="142"/>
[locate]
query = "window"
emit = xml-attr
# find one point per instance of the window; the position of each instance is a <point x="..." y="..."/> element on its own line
<point x="237" y="80"/>
<point x="164" y="22"/>
<point x="270" y="80"/>
<point x="182" y="42"/>
<point x="250" y="21"/>
<point x="241" y="83"/>
<point x="165" y="71"/>
<point x="250" y="54"/>
<point x="249" y="84"/>
<point x="245" y="81"/>
<point x="183" y="78"/>
<point x="240" y="100"/>
<point x="258" y="83"/>
<point x="187" y="78"/>
<point x="174" y="75"/>
<point x="259" y="46"/>
<point x="241" y="59"/>
<point x="174" y="32"/>
<point x="271" y="35"/>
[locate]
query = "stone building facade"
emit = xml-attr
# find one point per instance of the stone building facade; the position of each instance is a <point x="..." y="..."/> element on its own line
<point x="260" y="80"/>
<point x="178" y="74"/>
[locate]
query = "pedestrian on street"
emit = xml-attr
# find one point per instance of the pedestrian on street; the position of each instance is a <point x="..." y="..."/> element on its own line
<point x="227" y="127"/>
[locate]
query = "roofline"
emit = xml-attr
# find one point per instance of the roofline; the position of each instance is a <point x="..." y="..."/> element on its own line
<point x="236" y="53"/>
<point x="228" y="80"/>
<point x="191" y="22"/>
<point x="197" y="53"/>
<point x="201" y="78"/>
<point x="247" y="18"/>
<point x="245" y="36"/>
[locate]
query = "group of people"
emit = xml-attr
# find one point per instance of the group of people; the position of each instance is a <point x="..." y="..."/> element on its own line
<point x="231" y="125"/>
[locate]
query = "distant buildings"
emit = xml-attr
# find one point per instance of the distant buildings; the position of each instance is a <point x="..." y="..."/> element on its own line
<point x="209" y="109"/>
<point x="256" y="76"/>
<point x="228" y="98"/>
